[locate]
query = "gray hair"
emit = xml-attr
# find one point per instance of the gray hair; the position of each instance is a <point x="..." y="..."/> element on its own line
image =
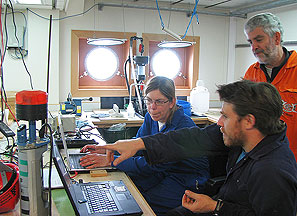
<point x="268" y="21"/>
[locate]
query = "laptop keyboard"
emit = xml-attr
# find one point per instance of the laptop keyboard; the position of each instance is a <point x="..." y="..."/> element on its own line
<point x="75" y="161"/>
<point x="99" y="198"/>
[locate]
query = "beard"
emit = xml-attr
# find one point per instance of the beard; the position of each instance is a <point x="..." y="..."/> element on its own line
<point x="268" y="55"/>
<point x="237" y="139"/>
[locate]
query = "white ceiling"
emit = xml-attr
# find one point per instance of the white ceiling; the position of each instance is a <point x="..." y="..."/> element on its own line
<point x="227" y="4"/>
<point x="213" y="7"/>
<point x="239" y="8"/>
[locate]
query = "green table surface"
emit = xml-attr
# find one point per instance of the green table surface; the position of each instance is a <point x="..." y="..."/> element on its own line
<point x="62" y="202"/>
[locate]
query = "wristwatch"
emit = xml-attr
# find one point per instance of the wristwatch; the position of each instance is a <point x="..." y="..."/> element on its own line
<point x="218" y="207"/>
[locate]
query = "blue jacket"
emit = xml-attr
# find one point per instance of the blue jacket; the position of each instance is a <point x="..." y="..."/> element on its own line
<point x="163" y="185"/>
<point x="263" y="183"/>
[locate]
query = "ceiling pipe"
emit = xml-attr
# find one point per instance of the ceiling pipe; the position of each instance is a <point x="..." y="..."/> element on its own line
<point x="263" y="6"/>
<point x="54" y="4"/>
<point x="187" y="11"/>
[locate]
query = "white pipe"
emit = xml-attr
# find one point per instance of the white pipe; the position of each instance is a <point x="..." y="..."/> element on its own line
<point x="171" y="33"/>
<point x="133" y="84"/>
<point x="135" y="81"/>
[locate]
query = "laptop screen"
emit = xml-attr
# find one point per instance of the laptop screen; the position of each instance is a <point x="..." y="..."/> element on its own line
<point x="62" y="167"/>
<point x="61" y="129"/>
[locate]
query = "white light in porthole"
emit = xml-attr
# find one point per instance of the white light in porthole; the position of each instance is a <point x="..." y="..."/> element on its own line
<point x="101" y="63"/>
<point x="166" y="63"/>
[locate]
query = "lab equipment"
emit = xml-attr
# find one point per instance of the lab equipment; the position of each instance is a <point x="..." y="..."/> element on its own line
<point x="9" y="190"/>
<point x="138" y="75"/>
<point x="31" y="106"/>
<point x="73" y="106"/>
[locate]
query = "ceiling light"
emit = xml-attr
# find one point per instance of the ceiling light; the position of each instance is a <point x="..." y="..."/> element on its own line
<point x="28" y="1"/>
<point x="175" y="44"/>
<point x="105" y="41"/>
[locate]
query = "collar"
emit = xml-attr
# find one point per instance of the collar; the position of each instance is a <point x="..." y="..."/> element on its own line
<point x="291" y="61"/>
<point x="275" y="70"/>
<point x="176" y="118"/>
<point x="268" y="144"/>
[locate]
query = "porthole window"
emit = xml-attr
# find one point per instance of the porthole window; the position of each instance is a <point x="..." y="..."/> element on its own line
<point x="102" y="63"/>
<point x="166" y="62"/>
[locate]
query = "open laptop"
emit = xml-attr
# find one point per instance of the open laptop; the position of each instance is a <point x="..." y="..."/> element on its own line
<point x="96" y="198"/>
<point x="73" y="159"/>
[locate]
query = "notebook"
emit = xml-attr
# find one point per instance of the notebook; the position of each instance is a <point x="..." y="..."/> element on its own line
<point x="96" y="198"/>
<point x="73" y="159"/>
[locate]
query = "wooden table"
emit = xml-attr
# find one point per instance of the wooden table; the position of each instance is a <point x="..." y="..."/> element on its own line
<point x="118" y="175"/>
<point x="210" y="117"/>
<point x="62" y="206"/>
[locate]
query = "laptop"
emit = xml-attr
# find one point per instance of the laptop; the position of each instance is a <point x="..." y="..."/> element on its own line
<point x="73" y="159"/>
<point x="96" y="198"/>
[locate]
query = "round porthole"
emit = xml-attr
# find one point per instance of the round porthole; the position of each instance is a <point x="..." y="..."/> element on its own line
<point x="166" y="63"/>
<point x="102" y="63"/>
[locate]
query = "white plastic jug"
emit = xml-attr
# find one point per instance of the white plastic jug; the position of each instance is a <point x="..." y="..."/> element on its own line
<point x="199" y="98"/>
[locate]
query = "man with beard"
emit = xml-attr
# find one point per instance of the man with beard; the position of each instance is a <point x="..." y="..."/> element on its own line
<point x="275" y="65"/>
<point x="261" y="171"/>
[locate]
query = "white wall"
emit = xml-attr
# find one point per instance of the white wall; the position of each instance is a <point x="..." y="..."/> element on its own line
<point x="216" y="55"/>
<point x="15" y="75"/>
<point x="213" y="32"/>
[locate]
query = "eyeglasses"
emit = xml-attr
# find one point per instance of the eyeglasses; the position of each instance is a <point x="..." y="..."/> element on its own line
<point x="149" y="102"/>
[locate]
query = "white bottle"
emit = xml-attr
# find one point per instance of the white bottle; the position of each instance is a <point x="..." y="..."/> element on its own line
<point x="130" y="110"/>
<point x="199" y="98"/>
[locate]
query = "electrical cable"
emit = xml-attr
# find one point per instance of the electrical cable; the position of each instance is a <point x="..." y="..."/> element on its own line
<point x="13" y="145"/>
<point x="3" y="93"/>
<point x="50" y="166"/>
<point x="75" y="174"/>
<point x="9" y="155"/>
<point x="193" y="13"/>
<point x="16" y="55"/>
<point x="126" y="75"/>
<point x="162" y="24"/>
<point x="15" y="34"/>
<point x="6" y="35"/>
<point x="11" y="112"/>
<point x="66" y="17"/>
<point x="134" y="74"/>
<point x="51" y="114"/>
<point x="7" y="147"/>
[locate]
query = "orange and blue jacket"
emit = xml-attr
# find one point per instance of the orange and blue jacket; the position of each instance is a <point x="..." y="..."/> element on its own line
<point x="286" y="84"/>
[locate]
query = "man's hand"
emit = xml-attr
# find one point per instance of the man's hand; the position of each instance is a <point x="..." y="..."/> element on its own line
<point x="198" y="203"/>
<point x="127" y="148"/>
<point x="93" y="149"/>
<point x="95" y="160"/>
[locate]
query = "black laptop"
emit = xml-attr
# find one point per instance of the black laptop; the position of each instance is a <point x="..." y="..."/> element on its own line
<point x="73" y="159"/>
<point x="96" y="198"/>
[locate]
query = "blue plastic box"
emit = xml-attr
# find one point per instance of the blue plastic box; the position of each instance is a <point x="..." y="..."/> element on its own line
<point x="186" y="105"/>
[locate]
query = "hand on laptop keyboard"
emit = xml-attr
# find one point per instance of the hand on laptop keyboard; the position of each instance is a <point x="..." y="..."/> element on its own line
<point x="95" y="160"/>
<point x="92" y="149"/>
